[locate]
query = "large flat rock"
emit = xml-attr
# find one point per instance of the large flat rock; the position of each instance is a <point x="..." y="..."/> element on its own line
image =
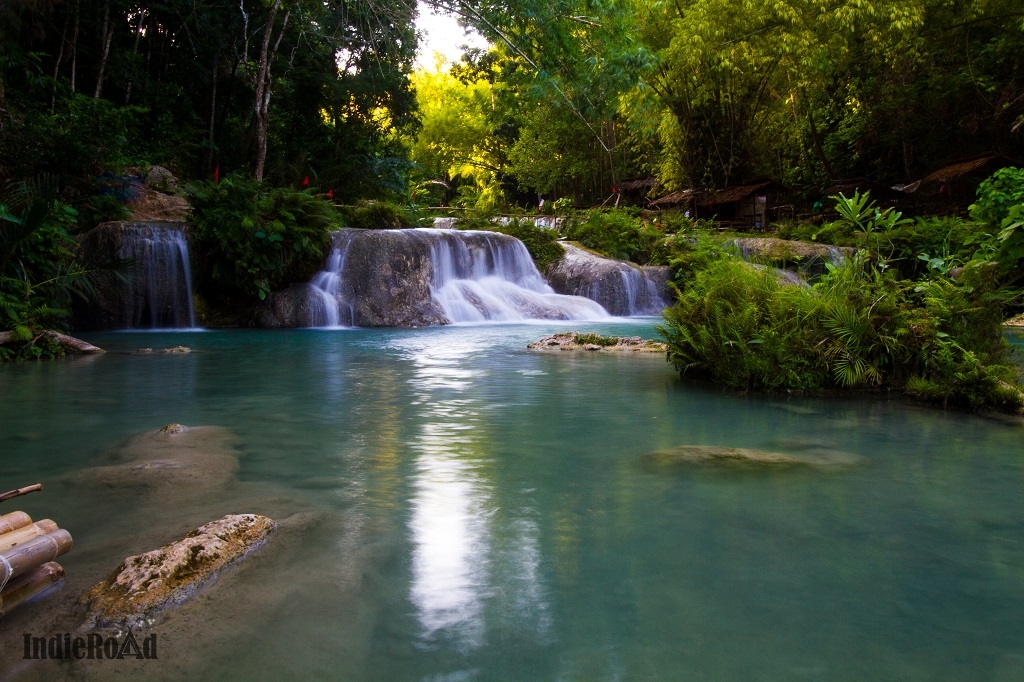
<point x="146" y="583"/>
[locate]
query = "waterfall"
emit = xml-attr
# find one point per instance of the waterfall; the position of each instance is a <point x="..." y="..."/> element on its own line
<point x="327" y="306"/>
<point x="160" y="293"/>
<point x="434" y="276"/>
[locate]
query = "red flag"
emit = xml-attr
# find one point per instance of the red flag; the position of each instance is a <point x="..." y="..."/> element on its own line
<point x="216" y="174"/>
<point x="305" y="181"/>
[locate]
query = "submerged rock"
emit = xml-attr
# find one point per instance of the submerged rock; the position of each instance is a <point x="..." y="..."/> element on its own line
<point x="146" y="583"/>
<point x="726" y="456"/>
<point x="593" y="342"/>
<point x="621" y="287"/>
<point x="176" y="350"/>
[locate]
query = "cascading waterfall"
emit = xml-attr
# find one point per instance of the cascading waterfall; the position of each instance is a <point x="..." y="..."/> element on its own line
<point x="474" y="276"/>
<point x="496" y="280"/>
<point x="160" y="294"/>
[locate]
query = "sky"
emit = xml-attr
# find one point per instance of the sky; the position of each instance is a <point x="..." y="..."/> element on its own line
<point x="442" y="34"/>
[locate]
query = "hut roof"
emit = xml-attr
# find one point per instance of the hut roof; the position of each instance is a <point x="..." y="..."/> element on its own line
<point x="638" y="183"/>
<point x="966" y="166"/>
<point x="681" y="197"/>
<point x="877" y="189"/>
<point x="740" y="192"/>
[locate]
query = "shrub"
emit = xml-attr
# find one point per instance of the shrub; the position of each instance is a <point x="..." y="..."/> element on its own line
<point x="1000" y="206"/>
<point x="859" y="326"/>
<point x="540" y="242"/>
<point x="379" y="215"/>
<point x="616" y="233"/>
<point x="252" y="239"/>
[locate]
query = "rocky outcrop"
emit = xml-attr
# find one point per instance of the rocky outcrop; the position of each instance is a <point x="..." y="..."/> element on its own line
<point x="621" y="287"/>
<point x="803" y="257"/>
<point x="147" y="583"/>
<point x="570" y="341"/>
<point x="157" y="293"/>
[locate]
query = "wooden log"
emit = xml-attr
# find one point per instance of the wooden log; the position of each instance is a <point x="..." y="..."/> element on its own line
<point x="72" y="344"/>
<point x="14" y="521"/>
<point x="17" y="492"/>
<point x="17" y="537"/>
<point x="31" y="553"/>
<point x="33" y="583"/>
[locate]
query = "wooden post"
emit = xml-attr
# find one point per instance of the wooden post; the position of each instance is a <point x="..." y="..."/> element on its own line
<point x="26" y="556"/>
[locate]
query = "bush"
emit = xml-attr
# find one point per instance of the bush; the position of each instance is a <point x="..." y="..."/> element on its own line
<point x="858" y="327"/>
<point x="1000" y="206"/>
<point x="617" y="233"/>
<point x="252" y="239"/>
<point x="379" y="215"/>
<point x="540" y="242"/>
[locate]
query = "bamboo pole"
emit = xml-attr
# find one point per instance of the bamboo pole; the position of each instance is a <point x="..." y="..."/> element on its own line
<point x="26" y="556"/>
<point x="17" y="537"/>
<point x="20" y="590"/>
<point x="18" y="492"/>
<point x="14" y="521"/>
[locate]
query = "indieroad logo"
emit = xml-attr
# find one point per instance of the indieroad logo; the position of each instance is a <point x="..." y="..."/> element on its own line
<point x="92" y="646"/>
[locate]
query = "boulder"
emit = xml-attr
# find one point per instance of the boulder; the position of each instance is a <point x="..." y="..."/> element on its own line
<point x="809" y="259"/>
<point x="621" y="287"/>
<point x="147" y="583"/>
<point x="161" y="179"/>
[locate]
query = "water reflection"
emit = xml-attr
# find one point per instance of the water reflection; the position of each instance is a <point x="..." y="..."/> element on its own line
<point x="470" y="558"/>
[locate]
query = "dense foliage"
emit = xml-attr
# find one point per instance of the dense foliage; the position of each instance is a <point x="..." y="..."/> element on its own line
<point x="252" y="239"/>
<point x="858" y="327"/>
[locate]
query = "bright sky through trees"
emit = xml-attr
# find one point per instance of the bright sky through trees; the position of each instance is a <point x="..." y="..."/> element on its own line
<point x="442" y="33"/>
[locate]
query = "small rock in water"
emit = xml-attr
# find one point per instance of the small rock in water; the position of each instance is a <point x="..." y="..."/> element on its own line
<point x="143" y="351"/>
<point x="173" y="428"/>
<point x="144" y="584"/>
<point x="714" y="454"/>
<point x="176" y="350"/>
<point x="595" y="342"/>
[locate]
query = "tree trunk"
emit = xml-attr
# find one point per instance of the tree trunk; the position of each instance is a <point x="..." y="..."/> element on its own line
<point x="108" y="34"/>
<point x="56" y="64"/>
<point x="135" y="53"/>
<point x="261" y="103"/>
<point x="263" y="78"/>
<point x="74" y="45"/>
<point x="213" y="110"/>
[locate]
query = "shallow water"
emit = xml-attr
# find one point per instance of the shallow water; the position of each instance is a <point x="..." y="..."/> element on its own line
<point x="470" y="510"/>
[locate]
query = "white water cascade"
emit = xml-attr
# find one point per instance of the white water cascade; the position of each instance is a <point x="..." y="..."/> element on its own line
<point x="160" y="293"/>
<point x="474" y="276"/>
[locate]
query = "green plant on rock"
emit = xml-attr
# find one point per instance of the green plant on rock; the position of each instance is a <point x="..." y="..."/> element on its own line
<point x="252" y="239"/>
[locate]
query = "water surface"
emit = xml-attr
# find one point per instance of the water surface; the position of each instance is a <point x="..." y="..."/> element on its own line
<point x="455" y="507"/>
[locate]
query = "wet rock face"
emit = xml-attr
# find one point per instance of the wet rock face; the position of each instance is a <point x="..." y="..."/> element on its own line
<point x="387" y="282"/>
<point x="147" y="583"/>
<point x="622" y="288"/>
<point x="158" y="291"/>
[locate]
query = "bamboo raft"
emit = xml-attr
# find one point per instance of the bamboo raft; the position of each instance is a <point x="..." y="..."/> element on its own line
<point x="27" y="553"/>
